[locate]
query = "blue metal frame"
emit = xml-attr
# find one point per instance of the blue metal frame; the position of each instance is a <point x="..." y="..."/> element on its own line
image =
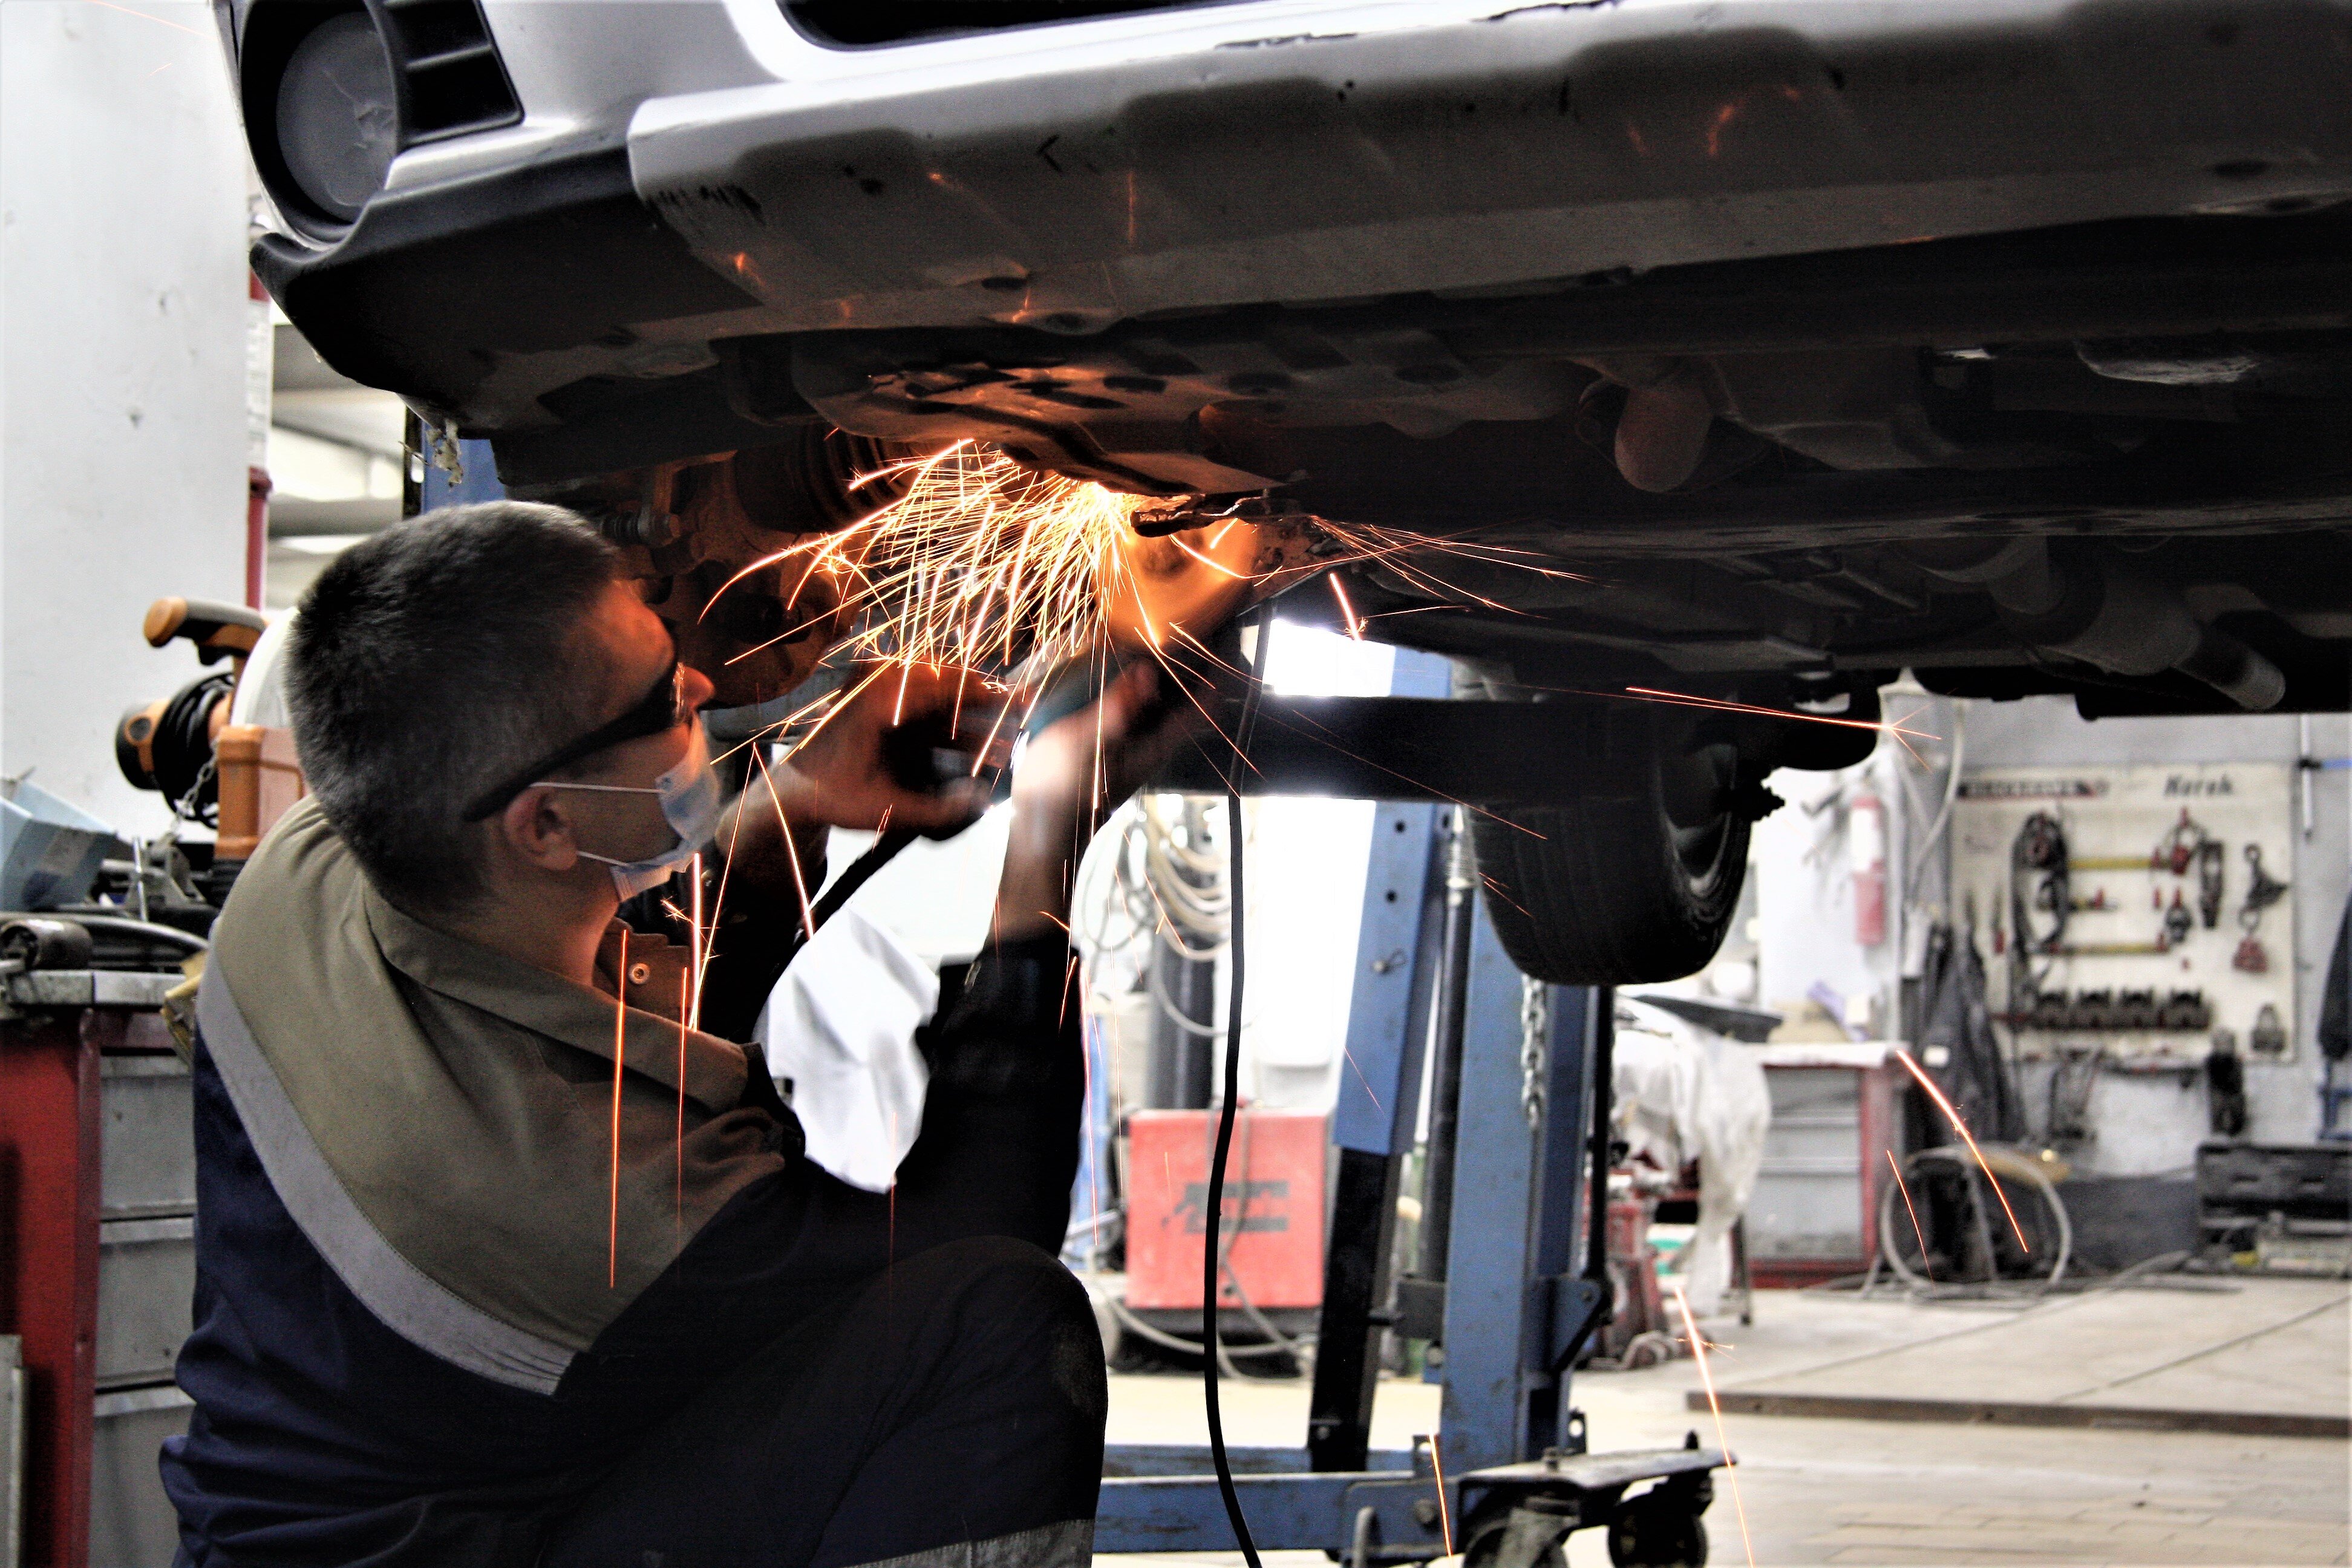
<point x="481" y="479"/>
<point x="1516" y="1304"/>
<point x="1513" y="1298"/>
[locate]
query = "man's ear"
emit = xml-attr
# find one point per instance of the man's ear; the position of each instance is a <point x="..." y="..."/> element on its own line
<point x="537" y="827"/>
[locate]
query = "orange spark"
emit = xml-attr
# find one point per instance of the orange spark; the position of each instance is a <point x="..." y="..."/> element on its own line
<point x="1368" y="1089"/>
<point x="1961" y="1128"/>
<point x="791" y="849"/>
<point x="700" y="950"/>
<point x="682" y="984"/>
<point x="620" y="1053"/>
<point x="1355" y="622"/>
<point x="1925" y="1263"/>
<point x="718" y="901"/>
<point x="144" y="17"/>
<point x="1895" y="728"/>
<point x="1707" y="1380"/>
<point x="1444" y="1514"/>
<point x="1723" y="116"/>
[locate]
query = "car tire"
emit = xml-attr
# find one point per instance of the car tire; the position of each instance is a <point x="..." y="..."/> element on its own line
<point x="1636" y="879"/>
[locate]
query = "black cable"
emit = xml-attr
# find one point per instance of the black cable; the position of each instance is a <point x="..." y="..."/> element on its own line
<point x="861" y="871"/>
<point x="1209" y="1254"/>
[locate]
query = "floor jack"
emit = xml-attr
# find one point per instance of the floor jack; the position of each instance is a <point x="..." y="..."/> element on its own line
<point x="1520" y="1123"/>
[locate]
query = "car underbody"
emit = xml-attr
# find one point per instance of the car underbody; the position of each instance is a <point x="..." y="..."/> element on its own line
<point x="2008" y="345"/>
<point x="2111" y="462"/>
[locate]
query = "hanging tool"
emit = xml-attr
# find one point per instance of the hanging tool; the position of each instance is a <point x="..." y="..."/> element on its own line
<point x="2176" y="921"/>
<point x="2179" y="846"/>
<point x="2262" y="890"/>
<point x="2038" y="857"/>
<point x="2209" y="882"/>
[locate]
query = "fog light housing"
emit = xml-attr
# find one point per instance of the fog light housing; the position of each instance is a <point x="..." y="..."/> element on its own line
<point x="338" y="115"/>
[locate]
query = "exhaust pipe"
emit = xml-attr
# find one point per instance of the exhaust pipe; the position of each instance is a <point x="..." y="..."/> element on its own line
<point x="2122" y="621"/>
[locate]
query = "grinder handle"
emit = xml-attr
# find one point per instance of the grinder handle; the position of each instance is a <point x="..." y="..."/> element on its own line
<point x="218" y="630"/>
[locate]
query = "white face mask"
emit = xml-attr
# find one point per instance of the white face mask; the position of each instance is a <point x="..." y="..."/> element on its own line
<point x="690" y="803"/>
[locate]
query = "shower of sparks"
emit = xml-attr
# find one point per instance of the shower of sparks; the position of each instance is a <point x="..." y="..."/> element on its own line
<point x="1960" y="1127"/>
<point x="1706" y="1381"/>
<point x="1926" y="1265"/>
<point x="1437" y="1463"/>
<point x="982" y="563"/>
<point x="620" y="1052"/>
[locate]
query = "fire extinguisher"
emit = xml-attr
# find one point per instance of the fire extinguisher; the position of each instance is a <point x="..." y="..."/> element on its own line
<point x="1865" y="839"/>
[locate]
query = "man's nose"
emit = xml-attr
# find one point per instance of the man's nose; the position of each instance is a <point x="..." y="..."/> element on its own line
<point x="698" y="688"/>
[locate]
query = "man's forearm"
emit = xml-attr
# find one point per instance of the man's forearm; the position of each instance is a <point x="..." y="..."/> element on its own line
<point x="1040" y="860"/>
<point x="999" y="1145"/>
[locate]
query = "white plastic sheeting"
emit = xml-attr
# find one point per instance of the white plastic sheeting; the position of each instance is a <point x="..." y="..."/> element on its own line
<point x="841" y="1026"/>
<point x="1686" y="1093"/>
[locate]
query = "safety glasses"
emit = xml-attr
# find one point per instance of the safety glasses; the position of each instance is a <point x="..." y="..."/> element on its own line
<point x="663" y="707"/>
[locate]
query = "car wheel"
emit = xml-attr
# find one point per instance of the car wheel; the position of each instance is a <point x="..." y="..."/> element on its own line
<point x="1634" y="880"/>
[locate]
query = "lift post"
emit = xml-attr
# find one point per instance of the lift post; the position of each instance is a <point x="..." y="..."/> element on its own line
<point x="1523" y="1283"/>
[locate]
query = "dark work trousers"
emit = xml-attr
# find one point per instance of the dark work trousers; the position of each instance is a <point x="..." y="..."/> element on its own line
<point x="957" y="1397"/>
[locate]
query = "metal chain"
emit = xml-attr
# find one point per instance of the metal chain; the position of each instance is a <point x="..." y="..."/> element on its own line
<point x="1535" y="1027"/>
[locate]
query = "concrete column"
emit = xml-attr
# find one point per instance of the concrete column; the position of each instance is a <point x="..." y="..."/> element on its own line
<point x="122" y="369"/>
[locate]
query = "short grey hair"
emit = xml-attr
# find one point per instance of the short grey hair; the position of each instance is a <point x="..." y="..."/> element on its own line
<point x="429" y="664"/>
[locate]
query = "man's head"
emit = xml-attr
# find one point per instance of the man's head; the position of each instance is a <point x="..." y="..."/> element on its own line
<point x="439" y="663"/>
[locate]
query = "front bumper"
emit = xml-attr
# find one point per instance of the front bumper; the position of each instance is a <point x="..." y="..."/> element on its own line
<point x="1202" y="161"/>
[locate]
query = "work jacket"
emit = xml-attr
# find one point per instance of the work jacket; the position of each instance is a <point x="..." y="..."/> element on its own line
<point x="466" y="1229"/>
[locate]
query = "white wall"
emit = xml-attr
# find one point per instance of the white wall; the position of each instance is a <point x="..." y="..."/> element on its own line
<point x="2146" y="1126"/>
<point x="122" y="343"/>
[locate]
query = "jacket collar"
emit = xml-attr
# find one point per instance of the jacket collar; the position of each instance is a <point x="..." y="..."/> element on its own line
<point x="545" y="1003"/>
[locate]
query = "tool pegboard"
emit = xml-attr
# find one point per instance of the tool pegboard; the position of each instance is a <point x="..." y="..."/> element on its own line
<point x="2139" y="910"/>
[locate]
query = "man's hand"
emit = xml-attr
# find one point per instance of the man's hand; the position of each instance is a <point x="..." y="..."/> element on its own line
<point x="1073" y="774"/>
<point x="841" y="776"/>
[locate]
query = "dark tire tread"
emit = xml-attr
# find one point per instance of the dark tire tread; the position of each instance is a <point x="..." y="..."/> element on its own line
<point x="1592" y="893"/>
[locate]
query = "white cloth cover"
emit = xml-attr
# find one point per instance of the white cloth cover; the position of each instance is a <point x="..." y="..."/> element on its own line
<point x="841" y="1026"/>
<point x="1685" y="1093"/>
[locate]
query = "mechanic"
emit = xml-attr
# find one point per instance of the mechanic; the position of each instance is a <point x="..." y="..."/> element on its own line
<point x="471" y="1290"/>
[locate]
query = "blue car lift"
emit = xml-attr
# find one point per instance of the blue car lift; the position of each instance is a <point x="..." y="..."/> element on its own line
<point x="1524" y="1281"/>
